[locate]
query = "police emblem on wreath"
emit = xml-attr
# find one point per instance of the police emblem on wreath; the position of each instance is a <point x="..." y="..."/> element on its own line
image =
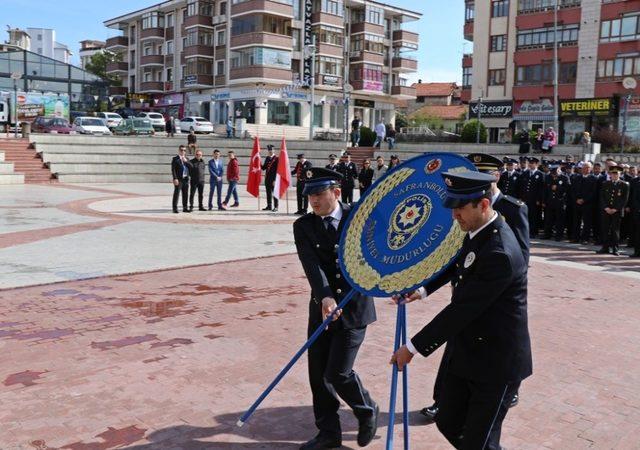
<point x="407" y="219"/>
<point x="399" y="235"/>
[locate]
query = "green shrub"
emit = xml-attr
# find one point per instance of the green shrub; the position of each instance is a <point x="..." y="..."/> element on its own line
<point x="470" y="130"/>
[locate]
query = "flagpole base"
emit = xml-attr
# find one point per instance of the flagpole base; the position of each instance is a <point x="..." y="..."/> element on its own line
<point x="239" y="423"/>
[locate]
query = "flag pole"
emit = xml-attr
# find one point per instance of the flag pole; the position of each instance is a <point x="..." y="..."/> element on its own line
<point x="405" y="378"/>
<point x="394" y="383"/>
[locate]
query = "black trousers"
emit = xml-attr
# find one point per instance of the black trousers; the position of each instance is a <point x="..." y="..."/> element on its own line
<point x="636" y="232"/>
<point x="611" y="229"/>
<point x="533" y="211"/>
<point x="597" y="225"/>
<point x="582" y="221"/>
<point x="183" y="186"/>
<point x="268" y="185"/>
<point x="554" y="220"/>
<point x="302" y="200"/>
<point x="200" y="188"/>
<point x="569" y="218"/>
<point x="471" y="413"/>
<point x="331" y="375"/>
<point x="347" y="193"/>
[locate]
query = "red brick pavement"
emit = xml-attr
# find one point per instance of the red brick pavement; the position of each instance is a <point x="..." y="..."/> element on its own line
<point x="171" y="359"/>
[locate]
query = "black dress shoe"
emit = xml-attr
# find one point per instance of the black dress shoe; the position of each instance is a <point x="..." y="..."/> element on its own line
<point x="322" y="441"/>
<point x="615" y="251"/>
<point x="235" y="205"/>
<point x="186" y="210"/>
<point x="430" y="412"/>
<point x="275" y="210"/>
<point x="367" y="428"/>
<point x="268" y="208"/>
<point x="514" y="400"/>
<point x="175" y="211"/>
<point x="201" y="209"/>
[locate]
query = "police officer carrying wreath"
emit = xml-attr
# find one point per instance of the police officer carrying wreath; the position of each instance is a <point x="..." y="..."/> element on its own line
<point x="613" y="198"/>
<point x="332" y="356"/>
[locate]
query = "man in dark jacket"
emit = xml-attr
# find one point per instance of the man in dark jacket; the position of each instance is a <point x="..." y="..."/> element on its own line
<point x="485" y="325"/>
<point x="508" y="183"/>
<point x="270" y="167"/>
<point x="180" y="167"/>
<point x="332" y="356"/>
<point x="198" y="168"/>
<point x="613" y="199"/>
<point x="584" y="188"/>
<point x="349" y="172"/>
<point x="556" y="193"/>
<point x="531" y="192"/>
<point x="300" y="171"/>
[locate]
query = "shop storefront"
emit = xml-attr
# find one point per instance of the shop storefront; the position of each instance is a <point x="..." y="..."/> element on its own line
<point x="633" y="118"/>
<point x="197" y="104"/>
<point x="497" y="117"/>
<point x="170" y="105"/>
<point x="590" y="114"/>
<point x="533" y="114"/>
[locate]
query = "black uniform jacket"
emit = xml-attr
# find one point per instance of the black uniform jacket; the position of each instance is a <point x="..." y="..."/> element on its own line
<point x="485" y="325"/>
<point x="319" y="258"/>
<point x="531" y="186"/>
<point x="557" y="190"/>
<point x="585" y="188"/>
<point x="634" y="196"/>
<point x="515" y="213"/>
<point x="176" y="168"/>
<point x="508" y="183"/>
<point x="614" y="195"/>
<point x="197" y="170"/>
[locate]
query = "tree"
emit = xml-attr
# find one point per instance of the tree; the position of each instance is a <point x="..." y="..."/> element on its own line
<point x="98" y="66"/>
<point x="401" y="121"/>
<point x="470" y="131"/>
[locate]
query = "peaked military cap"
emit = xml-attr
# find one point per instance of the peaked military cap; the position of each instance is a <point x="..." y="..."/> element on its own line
<point x="485" y="163"/>
<point x="462" y="187"/>
<point x="269" y="147"/>
<point x="616" y="169"/>
<point x="300" y="155"/>
<point x="332" y="156"/>
<point x="320" y="179"/>
<point x="533" y="159"/>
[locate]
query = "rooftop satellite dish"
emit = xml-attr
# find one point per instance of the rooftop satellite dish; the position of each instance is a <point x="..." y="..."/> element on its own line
<point x="629" y="83"/>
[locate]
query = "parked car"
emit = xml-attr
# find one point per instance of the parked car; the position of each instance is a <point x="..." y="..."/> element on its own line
<point x="134" y="126"/>
<point x="112" y="119"/>
<point x="90" y="125"/>
<point x="157" y="119"/>
<point x="51" y="125"/>
<point x="196" y="124"/>
<point x="125" y="112"/>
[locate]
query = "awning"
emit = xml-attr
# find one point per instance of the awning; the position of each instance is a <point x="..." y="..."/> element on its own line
<point x="534" y="117"/>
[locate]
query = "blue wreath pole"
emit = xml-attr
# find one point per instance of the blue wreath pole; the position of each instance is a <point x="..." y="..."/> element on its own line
<point x="347" y="298"/>
<point x="405" y="378"/>
<point x="394" y="385"/>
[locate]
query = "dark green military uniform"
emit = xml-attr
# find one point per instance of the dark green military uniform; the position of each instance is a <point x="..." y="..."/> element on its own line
<point x="614" y="195"/>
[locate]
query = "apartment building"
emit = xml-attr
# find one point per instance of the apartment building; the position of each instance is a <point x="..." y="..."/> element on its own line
<point x="511" y="67"/>
<point x="88" y="48"/>
<point x="43" y="42"/>
<point x="251" y="60"/>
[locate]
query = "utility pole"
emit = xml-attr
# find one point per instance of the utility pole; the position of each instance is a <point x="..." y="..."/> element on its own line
<point x="479" y="116"/>
<point x="312" y="80"/>
<point x="556" y="126"/>
<point x="15" y="76"/>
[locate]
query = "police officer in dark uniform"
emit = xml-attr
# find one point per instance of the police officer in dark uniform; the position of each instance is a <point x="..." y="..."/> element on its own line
<point x="300" y="171"/>
<point x="556" y="192"/>
<point x="332" y="356"/>
<point x="333" y="162"/>
<point x="531" y="192"/>
<point x="508" y="183"/>
<point x="601" y="177"/>
<point x="349" y="172"/>
<point x="584" y="187"/>
<point x="485" y="325"/>
<point x="613" y="199"/>
<point x="270" y="167"/>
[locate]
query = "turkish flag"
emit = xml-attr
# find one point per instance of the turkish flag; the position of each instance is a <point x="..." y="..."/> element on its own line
<point x="255" y="170"/>
<point x="283" y="175"/>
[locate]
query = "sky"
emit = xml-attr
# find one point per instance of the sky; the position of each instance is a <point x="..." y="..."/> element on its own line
<point x="440" y="29"/>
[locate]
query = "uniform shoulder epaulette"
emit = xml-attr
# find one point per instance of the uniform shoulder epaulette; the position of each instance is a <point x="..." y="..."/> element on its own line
<point x="513" y="200"/>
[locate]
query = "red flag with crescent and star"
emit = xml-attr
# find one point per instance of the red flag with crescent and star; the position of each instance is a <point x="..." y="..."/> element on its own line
<point x="255" y="170"/>
<point x="283" y="176"/>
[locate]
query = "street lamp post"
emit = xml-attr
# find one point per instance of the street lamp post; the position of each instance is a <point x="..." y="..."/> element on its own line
<point x="15" y="76"/>
<point x="310" y="51"/>
<point x="556" y="126"/>
<point x="479" y="117"/>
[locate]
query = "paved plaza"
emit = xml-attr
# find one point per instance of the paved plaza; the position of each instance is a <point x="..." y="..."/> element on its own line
<point x="123" y="325"/>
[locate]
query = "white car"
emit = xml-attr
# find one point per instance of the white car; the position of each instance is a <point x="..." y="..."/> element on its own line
<point x="90" y="125"/>
<point x="157" y="120"/>
<point x="112" y="119"/>
<point x="197" y="124"/>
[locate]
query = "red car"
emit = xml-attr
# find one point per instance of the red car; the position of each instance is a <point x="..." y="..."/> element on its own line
<point x="51" y="125"/>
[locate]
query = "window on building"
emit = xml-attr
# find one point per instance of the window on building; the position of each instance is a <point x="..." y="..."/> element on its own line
<point x="39" y="37"/>
<point x="169" y="74"/>
<point x="261" y="23"/>
<point x="366" y="72"/>
<point x="499" y="43"/>
<point x="374" y="15"/>
<point x="220" y="67"/>
<point x="466" y="77"/>
<point x="223" y="8"/>
<point x="169" y="20"/>
<point x="169" y="48"/>
<point x="152" y="20"/>
<point x="147" y="51"/>
<point x="283" y="113"/>
<point x="199" y="37"/>
<point x="567" y="34"/>
<point x="260" y="56"/>
<point x="335" y="7"/>
<point x="499" y="8"/>
<point x="328" y="35"/>
<point x="622" y="66"/>
<point x="543" y="74"/>
<point x="39" y="50"/>
<point x="148" y="76"/>
<point x="469" y="11"/>
<point x="329" y="66"/>
<point x="525" y="6"/>
<point x="198" y="66"/>
<point x="368" y="43"/>
<point x="221" y="38"/>
<point x="497" y="77"/>
<point x="624" y="29"/>
<point x="336" y="116"/>
<point x="317" y="116"/>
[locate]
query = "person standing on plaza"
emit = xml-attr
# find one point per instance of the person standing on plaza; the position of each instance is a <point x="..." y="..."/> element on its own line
<point x="229" y="127"/>
<point x="508" y="183"/>
<point x="391" y="137"/>
<point x="613" y="199"/>
<point x="270" y="167"/>
<point x="356" y="124"/>
<point x="198" y="169"/>
<point x="549" y="141"/>
<point x="333" y="162"/>
<point x="380" y="169"/>
<point x="524" y="141"/>
<point x="381" y="132"/>
<point x="485" y="326"/>
<point x="601" y="177"/>
<point x="539" y="139"/>
<point x="300" y="171"/>
<point x="585" y="189"/>
<point x="585" y="141"/>
<point x="531" y="192"/>
<point x="170" y="126"/>
<point x="393" y="162"/>
<point x="556" y="194"/>
<point x="192" y="142"/>
<point x="349" y="172"/>
<point x="332" y="356"/>
<point x="233" y="176"/>
<point x="365" y="177"/>
<point x="216" y="172"/>
<point x="180" y="167"/>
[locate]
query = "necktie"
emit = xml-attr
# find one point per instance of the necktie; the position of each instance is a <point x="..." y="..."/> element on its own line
<point x="331" y="230"/>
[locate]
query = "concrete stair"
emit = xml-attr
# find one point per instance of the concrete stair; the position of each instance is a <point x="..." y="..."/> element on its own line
<point x="25" y="161"/>
<point x="7" y="174"/>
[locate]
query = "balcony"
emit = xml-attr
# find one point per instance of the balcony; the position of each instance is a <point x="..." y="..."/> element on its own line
<point x="364" y="27"/>
<point x="194" y="21"/>
<point x="366" y="86"/>
<point x="116" y="43"/>
<point x="261" y="73"/>
<point x="152" y="33"/>
<point x="366" y="57"/>
<point x="168" y="33"/>
<point x="220" y="80"/>
<point x="403" y="92"/>
<point x="198" y="50"/>
<point x="168" y="60"/>
<point x="118" y="90"/>
<point x="405" y="36"/>
<point x="152" y="86"/>
<point x="400" y="64"/>
<point x="330" y="50"/>
<point x="253" y="6"/>
<point x="268" y="39"/>
<point x="327" y="19"/>
<point x="465" y="94"/>
<point x="468" y="31"/>
<point x="549" y="8"/>
<point x="151" y="60"/>
<point x="467" y="60"/>
<point x="117" y="67"/>
<point x="196" y="81"/>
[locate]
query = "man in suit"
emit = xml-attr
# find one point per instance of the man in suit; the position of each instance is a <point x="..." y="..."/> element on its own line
<point x="584" y="188"/>
<point x="180" y="167"/>
<point x="332" y="356"/>
<point x="270" y="167"/>
<point x="508" y="183"/>
<point x="216" y="172"/>
<point x="556" y="193"/>
<point x="197" y="180"/>
<point x="333" y="162"/>
<point x="349" y="172"/>
<point x="485" y="325"/>
<point x="300" y="171"/>
<point x="601" y="177"/>
<point x="531" y="192"/>
<point x="613" y="199"/>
